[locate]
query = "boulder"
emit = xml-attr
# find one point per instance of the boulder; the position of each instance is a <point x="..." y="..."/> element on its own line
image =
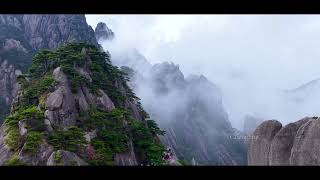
<point x="306" y="146"/>
<point x="280" y="150"/>
<point x="54" y="101"/>
<point x="38" y="158"/>
<point x="258" y="152"/>
<point x="104" y="102"/>
<point x="66" y="158"/>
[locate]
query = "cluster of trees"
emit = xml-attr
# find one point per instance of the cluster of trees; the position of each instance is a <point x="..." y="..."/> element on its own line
<point x="115" y="129"/>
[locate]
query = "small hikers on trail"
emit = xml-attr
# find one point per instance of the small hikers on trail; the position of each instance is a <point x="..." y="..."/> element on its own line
<point x="168" y="155"/>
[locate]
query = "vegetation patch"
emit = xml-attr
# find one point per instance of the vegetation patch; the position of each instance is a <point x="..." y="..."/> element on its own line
<point x="71" y="140"/>
<point x="58" y="158"/>
<point x="14" y="161"/>
<point x="12" y="138"/>
<point x="145" y="144"/>
<point x="33" y="141"/>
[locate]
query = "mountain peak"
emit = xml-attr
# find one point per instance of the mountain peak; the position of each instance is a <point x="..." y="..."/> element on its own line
<point x="102" y="32"/>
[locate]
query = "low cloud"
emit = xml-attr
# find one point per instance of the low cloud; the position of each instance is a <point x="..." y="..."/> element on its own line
<point x="251" y="58"/>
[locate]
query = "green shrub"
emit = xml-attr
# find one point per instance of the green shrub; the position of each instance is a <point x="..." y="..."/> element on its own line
<point x="153" y="126"/>
<point x="71" y="140"/>
<point x="144" y="142"/>
<point x="46" y="83"/>
<point x="33" y="141"/>
<point x="58" y="158"/>
<point x="14" y="161"/>
<point x="33" y="117"/>
<point x="103" y="155"/>
<point x="116" y="141"/>
<point x="12" y="138"/>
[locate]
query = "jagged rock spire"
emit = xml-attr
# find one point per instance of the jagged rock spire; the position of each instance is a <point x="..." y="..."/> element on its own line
<point x="102" y="32"/>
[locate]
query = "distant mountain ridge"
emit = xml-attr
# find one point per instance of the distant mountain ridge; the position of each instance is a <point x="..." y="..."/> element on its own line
<point x="188" y="108"/>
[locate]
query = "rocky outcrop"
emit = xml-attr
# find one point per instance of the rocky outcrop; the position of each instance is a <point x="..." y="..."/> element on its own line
<point x="282" y="143"/>
<point x="51" y="31"/>
<point x="37" y="159"/>
<point x="126" y="159"/>
<point x="5" y="152"/>
<point x="66" y="111"/>
<point x="63" y="105"/>
<point x="294" y="144"/>
<point x="258" y="152"/>
<point x="8" y="81"/>
<point x="21" y="36"/>
<point x="65" y="158"/>
<point x="102" y="32"/>
<point x="306" y="145"/>
<point x="9" y="86"/>
<point x="11" y="44"/>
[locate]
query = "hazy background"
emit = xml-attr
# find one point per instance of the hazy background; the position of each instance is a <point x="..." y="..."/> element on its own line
<point x="252" y="58"/>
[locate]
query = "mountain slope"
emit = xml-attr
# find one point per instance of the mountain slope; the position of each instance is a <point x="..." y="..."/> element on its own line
<point x="190" y="110"/>
<point x="21" y="36"/>
<point x="75" y="108"/>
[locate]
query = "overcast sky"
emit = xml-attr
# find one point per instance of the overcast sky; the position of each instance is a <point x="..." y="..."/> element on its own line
<point x="248" y="56"/>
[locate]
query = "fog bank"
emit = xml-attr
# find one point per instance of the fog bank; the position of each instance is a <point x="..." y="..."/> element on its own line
<point x="251" y="58"/>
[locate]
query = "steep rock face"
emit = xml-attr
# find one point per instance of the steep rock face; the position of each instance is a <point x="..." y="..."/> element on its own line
<point x="102" y="32"/>
<point x="51" y="31"/>
<point x="5" y="153"/>
<point x="306" y="146"/>
<point x="258" y="152"/>
<point x="8" y="86"/>
<point x="127" y="158"/>
<point x="295" y="144"/>
<point x="283" y="142"/>
<point x="61" y="103"/>
<point x="21" y="36"/>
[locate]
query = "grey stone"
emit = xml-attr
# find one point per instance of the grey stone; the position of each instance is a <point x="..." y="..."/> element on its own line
<point x="306" y="146"/>
<point x="22" y="128"/>
<point x="127" y="158"/>
<point x="104" y="102"/>
<point x="258" y="152"/>
<point x="5" y="152"/>
<point x="54" y="101"/>
<point x="38" y="158"/>
<point x="280" y="150"/>
<point x="67" y="159"/>
<point x="90" y="135"/>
